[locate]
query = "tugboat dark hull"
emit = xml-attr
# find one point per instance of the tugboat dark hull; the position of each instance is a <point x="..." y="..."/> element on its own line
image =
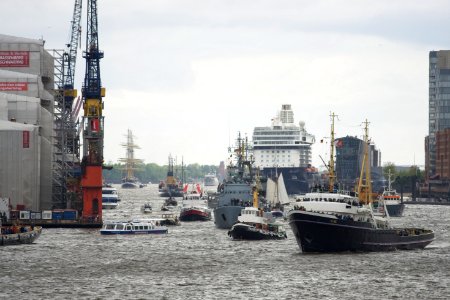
<point x="129" y="185"/>
<point x="395" y="210"/>
<point x="246" y="232"/>
<point x="171" y="193"/>
<point x="195" y="215"/>
<point x="318" y="233"/>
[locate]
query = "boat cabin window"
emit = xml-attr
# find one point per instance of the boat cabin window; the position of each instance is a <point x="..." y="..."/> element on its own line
<point x="145" y="227"/>
<point x="128" y="227"/>
<point x="119" y="226"/>
<point x="109" y="226"/>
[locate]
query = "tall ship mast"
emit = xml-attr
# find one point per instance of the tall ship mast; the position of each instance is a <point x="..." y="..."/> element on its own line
<point x="131" y="163"/>
<point x="285" y="147"/>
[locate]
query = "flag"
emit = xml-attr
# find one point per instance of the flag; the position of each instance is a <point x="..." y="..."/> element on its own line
<point x="339" y="143"/>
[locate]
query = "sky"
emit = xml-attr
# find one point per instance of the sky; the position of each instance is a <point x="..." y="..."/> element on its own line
<point x="187" y="75"/>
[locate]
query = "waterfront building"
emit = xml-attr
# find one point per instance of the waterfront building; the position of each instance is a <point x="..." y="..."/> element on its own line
<point x="439" y="105"/>
<point x="443" y="153"/>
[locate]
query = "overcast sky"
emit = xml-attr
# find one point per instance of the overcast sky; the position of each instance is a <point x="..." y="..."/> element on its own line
<point x="185" y="76"/>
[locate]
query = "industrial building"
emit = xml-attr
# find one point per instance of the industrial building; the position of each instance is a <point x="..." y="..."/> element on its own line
<point x="26" y="122"/>
<point x="349" y="157"/>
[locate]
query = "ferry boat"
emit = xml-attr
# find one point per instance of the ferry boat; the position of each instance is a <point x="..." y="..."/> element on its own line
<point x="133" y="227"/>
<point x="110" y="190"/>
<point x="285" y="148"/>
<point x="254" y="225"/>
<point x="110" y="198"/>
<point x="237" y="190"/>
<point x="16" y="235"/>
<point x="109" y="201"/>
<point x="195" y="208"/>
<point x="335" y="222"/>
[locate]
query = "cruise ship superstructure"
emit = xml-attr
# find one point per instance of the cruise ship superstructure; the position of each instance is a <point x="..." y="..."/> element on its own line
<point x="285" y="147"/>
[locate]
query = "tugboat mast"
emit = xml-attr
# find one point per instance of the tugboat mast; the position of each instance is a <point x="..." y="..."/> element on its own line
<point x="365" y="182"/>
<point x="332" y="174"/>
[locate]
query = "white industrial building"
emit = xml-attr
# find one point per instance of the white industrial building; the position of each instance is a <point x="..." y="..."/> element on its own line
<point x="26" y="122"/>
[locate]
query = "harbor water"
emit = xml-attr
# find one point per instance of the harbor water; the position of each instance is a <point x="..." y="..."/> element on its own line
<point x="198" y="261"/>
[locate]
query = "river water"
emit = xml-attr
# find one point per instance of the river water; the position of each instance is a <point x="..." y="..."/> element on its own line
<point x="198" y="261"/>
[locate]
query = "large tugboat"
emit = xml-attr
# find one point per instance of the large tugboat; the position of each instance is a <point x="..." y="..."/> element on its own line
<point x="254" y="224"/>
<point x="172" y="187"/>
<point x="235" y="192"/>
<point x="391" y="200"/>
<point x="335" y="222"/>
<point x="131" y="163"/>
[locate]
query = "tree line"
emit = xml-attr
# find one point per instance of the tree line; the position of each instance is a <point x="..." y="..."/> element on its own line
<point x="152" y="172"/>
<point x="404" y="181"/>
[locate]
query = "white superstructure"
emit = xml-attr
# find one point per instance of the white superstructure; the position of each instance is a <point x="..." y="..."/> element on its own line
<point x="283" y="144"/>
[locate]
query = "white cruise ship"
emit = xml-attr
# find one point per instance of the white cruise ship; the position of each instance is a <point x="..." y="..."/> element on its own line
<point x="285" y="148"/>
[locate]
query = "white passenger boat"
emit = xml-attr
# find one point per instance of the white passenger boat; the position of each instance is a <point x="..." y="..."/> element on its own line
<point x="108" y="190"/>
<point x="109" y="201"/>
<point x="133" y="227"/>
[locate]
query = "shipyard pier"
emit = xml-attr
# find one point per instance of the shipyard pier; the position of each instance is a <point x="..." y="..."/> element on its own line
<point x="51" y="160"/>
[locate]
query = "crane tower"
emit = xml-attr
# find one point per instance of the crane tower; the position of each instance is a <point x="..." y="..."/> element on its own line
<point x="93" y="125"/>
<point x="67" y="157"/>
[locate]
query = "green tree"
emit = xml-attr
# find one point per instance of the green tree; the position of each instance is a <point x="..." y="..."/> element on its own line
<point x="389" y="167"/>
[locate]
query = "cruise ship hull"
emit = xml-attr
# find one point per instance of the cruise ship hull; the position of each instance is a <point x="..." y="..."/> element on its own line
<point x="298" y="180"/>
<point x="321" y="233"/>
<point x="226" y="216"/>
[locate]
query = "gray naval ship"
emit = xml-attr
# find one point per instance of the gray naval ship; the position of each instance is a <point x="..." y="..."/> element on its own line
<point x="236" y="192"/>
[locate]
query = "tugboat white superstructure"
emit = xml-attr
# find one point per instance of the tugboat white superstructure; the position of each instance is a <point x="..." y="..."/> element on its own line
<point x="254" y="224"/>
<point x="285" y="148"/>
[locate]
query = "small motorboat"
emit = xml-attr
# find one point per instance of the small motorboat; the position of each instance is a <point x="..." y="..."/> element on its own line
<point x="171" y="202"/>
<point x="168" y="208"/>
<point x="133" y="227"/>
<point x="15" y="235"/>
<point x="146" y="208"/>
